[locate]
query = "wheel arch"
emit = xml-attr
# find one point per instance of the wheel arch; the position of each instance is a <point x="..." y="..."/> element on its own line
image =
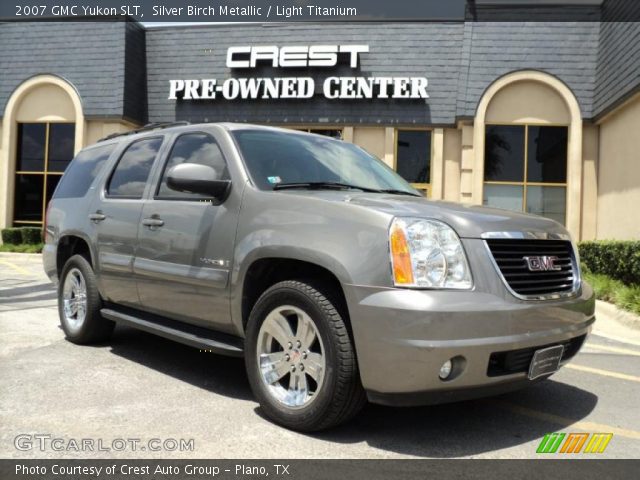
<point x="266" y="271"/>
<point x="73" y="243"/>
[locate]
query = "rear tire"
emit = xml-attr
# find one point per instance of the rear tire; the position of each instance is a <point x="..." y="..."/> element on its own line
<point x="79" y="304"/>
<point x="300" y="360"/>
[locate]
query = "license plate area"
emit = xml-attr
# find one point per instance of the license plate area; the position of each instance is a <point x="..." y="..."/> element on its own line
<point x="545" y="361"/>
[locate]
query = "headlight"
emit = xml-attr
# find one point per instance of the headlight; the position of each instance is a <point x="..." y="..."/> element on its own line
<point x="428" y="254"/>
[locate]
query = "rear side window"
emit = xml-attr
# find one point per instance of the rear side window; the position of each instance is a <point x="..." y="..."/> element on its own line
<point x="199" y="148"/>
<point x="82" y="172"/>
<point x="130" y="175"/>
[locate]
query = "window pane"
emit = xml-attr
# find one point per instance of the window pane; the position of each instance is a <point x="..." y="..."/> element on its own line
<point x="504" y="153"/>
<point x="31" y="141"/>
<point x="130" y="176"/>
<point x="197" y="148"/>
<point x="503" y="196"/>
<point x="83" y="170"/>
<point x="28" y="197"/>
<point x="52" y="183"/>
<point x="328" y="133"/>
<point x="61" y="145"/>
<point x="549" y="202"/>
<point x="414" y="156"/>
<point x="547" y="160"/>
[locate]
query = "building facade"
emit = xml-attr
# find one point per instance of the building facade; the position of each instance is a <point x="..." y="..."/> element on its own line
<point x="532" y="116"/>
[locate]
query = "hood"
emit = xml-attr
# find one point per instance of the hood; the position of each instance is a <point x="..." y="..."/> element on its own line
<point x="469" y="221"/>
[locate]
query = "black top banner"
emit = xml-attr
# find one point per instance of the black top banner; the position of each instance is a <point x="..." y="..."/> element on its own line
<point x="238" y="10"/>
<point x="265" y="11"/>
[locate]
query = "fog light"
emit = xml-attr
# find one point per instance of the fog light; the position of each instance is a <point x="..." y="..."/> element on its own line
<point x="445" y="370"/>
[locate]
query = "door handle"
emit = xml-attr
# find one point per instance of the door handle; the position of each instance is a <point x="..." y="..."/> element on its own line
<point x="152" y="222"/>
<point x="97" y="217"/>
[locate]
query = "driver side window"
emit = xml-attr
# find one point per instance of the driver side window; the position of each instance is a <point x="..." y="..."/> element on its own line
<point x="199" y="148"/>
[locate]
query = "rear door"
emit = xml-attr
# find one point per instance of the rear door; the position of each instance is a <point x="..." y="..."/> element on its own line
<point x="185" y="242"/>
<point x="115" y="215"/>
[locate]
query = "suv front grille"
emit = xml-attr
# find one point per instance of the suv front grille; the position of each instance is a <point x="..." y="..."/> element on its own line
<point x="518" y="361"/>
<point x="509" y="256"/>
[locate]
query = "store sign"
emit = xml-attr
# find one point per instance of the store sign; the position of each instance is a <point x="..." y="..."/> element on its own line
<point x="287" y="87"/>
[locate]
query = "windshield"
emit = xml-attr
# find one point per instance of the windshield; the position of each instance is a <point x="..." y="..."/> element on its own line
<point x="276" y="158"/>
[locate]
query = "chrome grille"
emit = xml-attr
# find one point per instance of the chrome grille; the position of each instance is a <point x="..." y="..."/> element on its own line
<point x="510" y="258"/>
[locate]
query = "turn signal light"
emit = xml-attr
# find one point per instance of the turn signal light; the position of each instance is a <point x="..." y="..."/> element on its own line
<point x="400" y="256"/>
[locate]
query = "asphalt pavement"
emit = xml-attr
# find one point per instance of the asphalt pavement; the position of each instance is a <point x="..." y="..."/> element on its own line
<point x="140" y="396"/>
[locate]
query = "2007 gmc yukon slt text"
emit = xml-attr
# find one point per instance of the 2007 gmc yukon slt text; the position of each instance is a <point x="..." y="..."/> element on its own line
<point x="334" y="278"/>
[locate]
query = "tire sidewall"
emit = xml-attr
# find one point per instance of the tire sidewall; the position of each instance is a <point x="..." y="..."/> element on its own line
<point x="93" y="303"/>
<point x="273" y="298"/>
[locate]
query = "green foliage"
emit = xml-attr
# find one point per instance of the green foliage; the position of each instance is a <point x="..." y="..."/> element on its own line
<point x="619" y="260"/>
<point x="614" y="291"/>
<point x="22" y="235"/>
<point x="31" y="235"/>
<point x="11" y="236"/>
<point x="21" y="248"/>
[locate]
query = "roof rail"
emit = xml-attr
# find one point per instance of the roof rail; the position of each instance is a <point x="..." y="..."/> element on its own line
<point x="146" y="128"/>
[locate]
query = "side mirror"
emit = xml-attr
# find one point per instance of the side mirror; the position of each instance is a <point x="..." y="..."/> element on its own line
<point x="195" y="178"/>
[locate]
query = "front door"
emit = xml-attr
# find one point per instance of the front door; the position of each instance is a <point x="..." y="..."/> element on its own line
<point x="116" y="215"/>
<point x="185" y="243"/>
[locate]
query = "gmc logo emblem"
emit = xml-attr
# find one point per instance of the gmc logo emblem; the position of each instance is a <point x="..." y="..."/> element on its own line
<point x="542" y="264"/>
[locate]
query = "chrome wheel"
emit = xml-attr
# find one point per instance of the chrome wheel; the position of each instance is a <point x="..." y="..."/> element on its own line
<point x="74" y="298"/>
<point x="291" y="356"/>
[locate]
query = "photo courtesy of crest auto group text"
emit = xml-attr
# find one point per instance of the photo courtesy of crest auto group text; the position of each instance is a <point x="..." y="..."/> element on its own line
<point x="251" y="239"/>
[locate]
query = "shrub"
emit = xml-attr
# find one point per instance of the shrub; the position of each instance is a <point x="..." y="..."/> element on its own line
<point x="617" y="259"/>
<point x="31" y="235"/>
<point x="624" y="296"/>
<point x="11" y="236"/>
<point x="21" y="248"/>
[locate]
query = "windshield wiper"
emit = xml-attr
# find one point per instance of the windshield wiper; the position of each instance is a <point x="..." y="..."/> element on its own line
<point x="341" y="186"/>
<point x="323" y="185"/>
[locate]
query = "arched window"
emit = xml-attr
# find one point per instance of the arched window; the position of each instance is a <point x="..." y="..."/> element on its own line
<point x="43" y="127"/>
<point x="527" y="143"/>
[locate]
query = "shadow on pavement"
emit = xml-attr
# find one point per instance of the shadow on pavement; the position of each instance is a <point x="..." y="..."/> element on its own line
<point x="44" y="291"/>
<point x="215" y="373"/>
<point x="467" y="428"/>
<point x="441" y="431"/>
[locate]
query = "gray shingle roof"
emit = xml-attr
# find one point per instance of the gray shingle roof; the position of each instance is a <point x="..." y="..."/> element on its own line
<point x="106" y="63"/>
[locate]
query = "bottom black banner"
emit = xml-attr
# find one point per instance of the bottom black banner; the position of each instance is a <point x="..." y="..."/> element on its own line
<point x="316" y="469"/>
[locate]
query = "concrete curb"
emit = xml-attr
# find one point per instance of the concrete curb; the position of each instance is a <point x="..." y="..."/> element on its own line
<point x="610" y="311"/>
<point x="14" y="254"/>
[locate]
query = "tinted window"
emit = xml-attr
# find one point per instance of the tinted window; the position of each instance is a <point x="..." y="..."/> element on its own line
<point x="547" y="160"/>
<point x="61" y="145"/>
<point x="28" y="198"/>
<point x="327" y="132"/>
<point x="504" y="154"/>
<point x="31" y="141"/>
<point x="273" y="157"/>
<point x="550" y="202"/>
<point x="82" y="171"/>
<point x="131" y="174"/>
<point x="414" y="156"/>
<point x="197" y="148"/>
<point x="503" y="196"/>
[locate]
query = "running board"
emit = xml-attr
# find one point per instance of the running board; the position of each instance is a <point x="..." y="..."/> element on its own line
<point x="191" y="335"/>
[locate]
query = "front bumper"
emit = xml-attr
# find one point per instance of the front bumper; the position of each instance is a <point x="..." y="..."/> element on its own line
<point x="403" y="337"/>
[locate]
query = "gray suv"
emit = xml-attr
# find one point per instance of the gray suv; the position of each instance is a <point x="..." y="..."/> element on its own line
<point x="333" y="278"/>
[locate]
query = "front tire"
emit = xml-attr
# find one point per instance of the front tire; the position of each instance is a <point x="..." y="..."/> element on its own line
<point x="79" y="304"/>
<point x="300" y="360"/>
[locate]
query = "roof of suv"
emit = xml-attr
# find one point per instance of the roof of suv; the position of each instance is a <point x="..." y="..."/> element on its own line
<point x="182" y="126"/>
